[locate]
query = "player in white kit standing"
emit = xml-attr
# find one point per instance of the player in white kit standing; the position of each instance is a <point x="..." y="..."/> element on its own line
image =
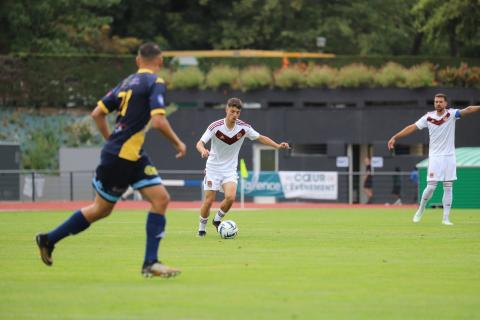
<point x="441" y="156"/>
<point x="227" y="136"/>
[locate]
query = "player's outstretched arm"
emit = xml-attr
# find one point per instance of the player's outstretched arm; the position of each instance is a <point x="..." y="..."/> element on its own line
<point x="269" y="142"/>
<point x="402" y="133"/>
<point x="100" y="118"/>
<point x="469" y="110"/>
<point x="160" y="123"/>
<point x="201" y="148"/>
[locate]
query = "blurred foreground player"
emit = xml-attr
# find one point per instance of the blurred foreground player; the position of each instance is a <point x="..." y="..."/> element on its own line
<point x="138" y="101"/>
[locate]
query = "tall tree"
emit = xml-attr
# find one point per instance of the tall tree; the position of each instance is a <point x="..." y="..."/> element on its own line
<point x="55" y="25"/>
<point x="455" y="21"/>
<point x="356" y="27"/>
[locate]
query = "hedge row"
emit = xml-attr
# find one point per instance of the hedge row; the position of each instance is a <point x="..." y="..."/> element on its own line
<point x="206" y="64"/>
<point x="81" y="81"/>
<point x="316" y="76"/>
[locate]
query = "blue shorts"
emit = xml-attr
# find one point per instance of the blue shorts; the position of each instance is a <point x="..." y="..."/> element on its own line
<point x="113" y="176"/>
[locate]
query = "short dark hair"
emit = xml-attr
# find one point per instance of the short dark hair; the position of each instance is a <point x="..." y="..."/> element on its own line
<point x="441" y="95"/>
<point x="235" y="102"/>
<point x="149" y="50"/>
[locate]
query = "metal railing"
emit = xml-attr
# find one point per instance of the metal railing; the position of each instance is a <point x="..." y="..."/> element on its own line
<point x="185" y="185"/>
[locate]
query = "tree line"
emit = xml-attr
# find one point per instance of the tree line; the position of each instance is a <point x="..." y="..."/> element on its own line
<point x="350" y="27"/>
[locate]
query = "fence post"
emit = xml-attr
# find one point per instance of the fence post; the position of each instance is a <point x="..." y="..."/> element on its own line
<point x="71" y="185"/>
<point x="33" y="186"/>
<point x="350" y="173"/>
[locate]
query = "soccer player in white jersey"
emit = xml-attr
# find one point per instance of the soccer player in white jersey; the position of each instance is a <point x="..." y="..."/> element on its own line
<point x="227" y="136"/>
<point x="441" y="156"/>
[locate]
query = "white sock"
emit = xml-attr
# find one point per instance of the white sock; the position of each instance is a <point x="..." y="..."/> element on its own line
<point x="220" y="214"/>
<point x="427" y="194"/>
<point x="447" y="199"/>
<point x="203" y="223"/>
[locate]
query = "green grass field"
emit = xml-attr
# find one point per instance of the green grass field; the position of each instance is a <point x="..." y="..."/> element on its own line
<point x="285" y="264"/>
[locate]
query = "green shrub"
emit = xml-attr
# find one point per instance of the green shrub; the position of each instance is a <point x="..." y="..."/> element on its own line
<point x="254" y="77"/>
<point x="222" y="76"/>
<point x="391" y="75"/>
<point x="448" y="77"/>
<point x="290" y="78"/>
<point x="463" y="76"/>
<point x="474" y="77"/>
<point x="165" y="75"/>
<point x="355" y="75"/>
<point x="41" y="149"/>
<point x="187" y="78"/>
<point x="321" y="77"/>
<point x="420" y="76"/>
<point x="82" y="133"/>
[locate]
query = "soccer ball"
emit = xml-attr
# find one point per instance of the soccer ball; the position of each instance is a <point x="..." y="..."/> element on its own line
<point x="228" y="229"/>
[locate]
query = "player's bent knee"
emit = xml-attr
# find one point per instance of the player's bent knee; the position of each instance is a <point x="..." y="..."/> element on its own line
<point x="96" y="212"/>
<point x="209" y="198"/>
<point x="230" y="198"/>
<point x="102" y="211"/>
<point x="160" y="202"/>
<point x="209" y="201"/>
<point x="432" y="184"/>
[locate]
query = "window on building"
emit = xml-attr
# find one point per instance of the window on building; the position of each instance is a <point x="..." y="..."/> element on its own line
<point x="411" y="149"/>
<point x="319" y="149"/>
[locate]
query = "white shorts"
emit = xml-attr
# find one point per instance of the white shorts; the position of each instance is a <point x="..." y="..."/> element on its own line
<point x="442" y="168"/>
<point x="215" y="180"/>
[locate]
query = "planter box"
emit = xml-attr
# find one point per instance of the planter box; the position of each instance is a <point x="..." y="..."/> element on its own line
<point x="322" y="97"/>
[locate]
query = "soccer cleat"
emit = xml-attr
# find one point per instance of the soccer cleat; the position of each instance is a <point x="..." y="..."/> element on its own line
<point x="216" y="224"/>
<point x="45" y="247"/>
<point x="158" y="269"/>
<point x="447" y="223"/>
<point x="202" y="233"/>
<point x="418" y="216"/>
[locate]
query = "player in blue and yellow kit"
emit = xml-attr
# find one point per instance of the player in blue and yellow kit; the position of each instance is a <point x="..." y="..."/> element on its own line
<point x="138" y="100"/>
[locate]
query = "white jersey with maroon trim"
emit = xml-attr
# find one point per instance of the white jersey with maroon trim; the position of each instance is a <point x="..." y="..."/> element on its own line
<point x="226" y="144"/>
<point x="441" y="130"/>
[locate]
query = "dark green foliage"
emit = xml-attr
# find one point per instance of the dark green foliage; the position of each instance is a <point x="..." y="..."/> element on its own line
<point x="55" y="26"/>
<point x="357" y="27"/>
<point x="82" y="133"/>
<point x="41" y="132"/>
<point x="41" y="152"/>
<point x="80" y="81"/>
<point x="67" y="82"/>
<point x="451" y="25"/>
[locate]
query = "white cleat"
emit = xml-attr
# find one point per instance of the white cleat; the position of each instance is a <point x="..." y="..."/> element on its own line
<point x="447" y="223"/>
<point x="417" y="217"/>
<point x="157" y="269"/>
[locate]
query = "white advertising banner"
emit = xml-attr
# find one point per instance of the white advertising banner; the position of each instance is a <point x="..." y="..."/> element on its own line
<point x="321" y="185"/>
